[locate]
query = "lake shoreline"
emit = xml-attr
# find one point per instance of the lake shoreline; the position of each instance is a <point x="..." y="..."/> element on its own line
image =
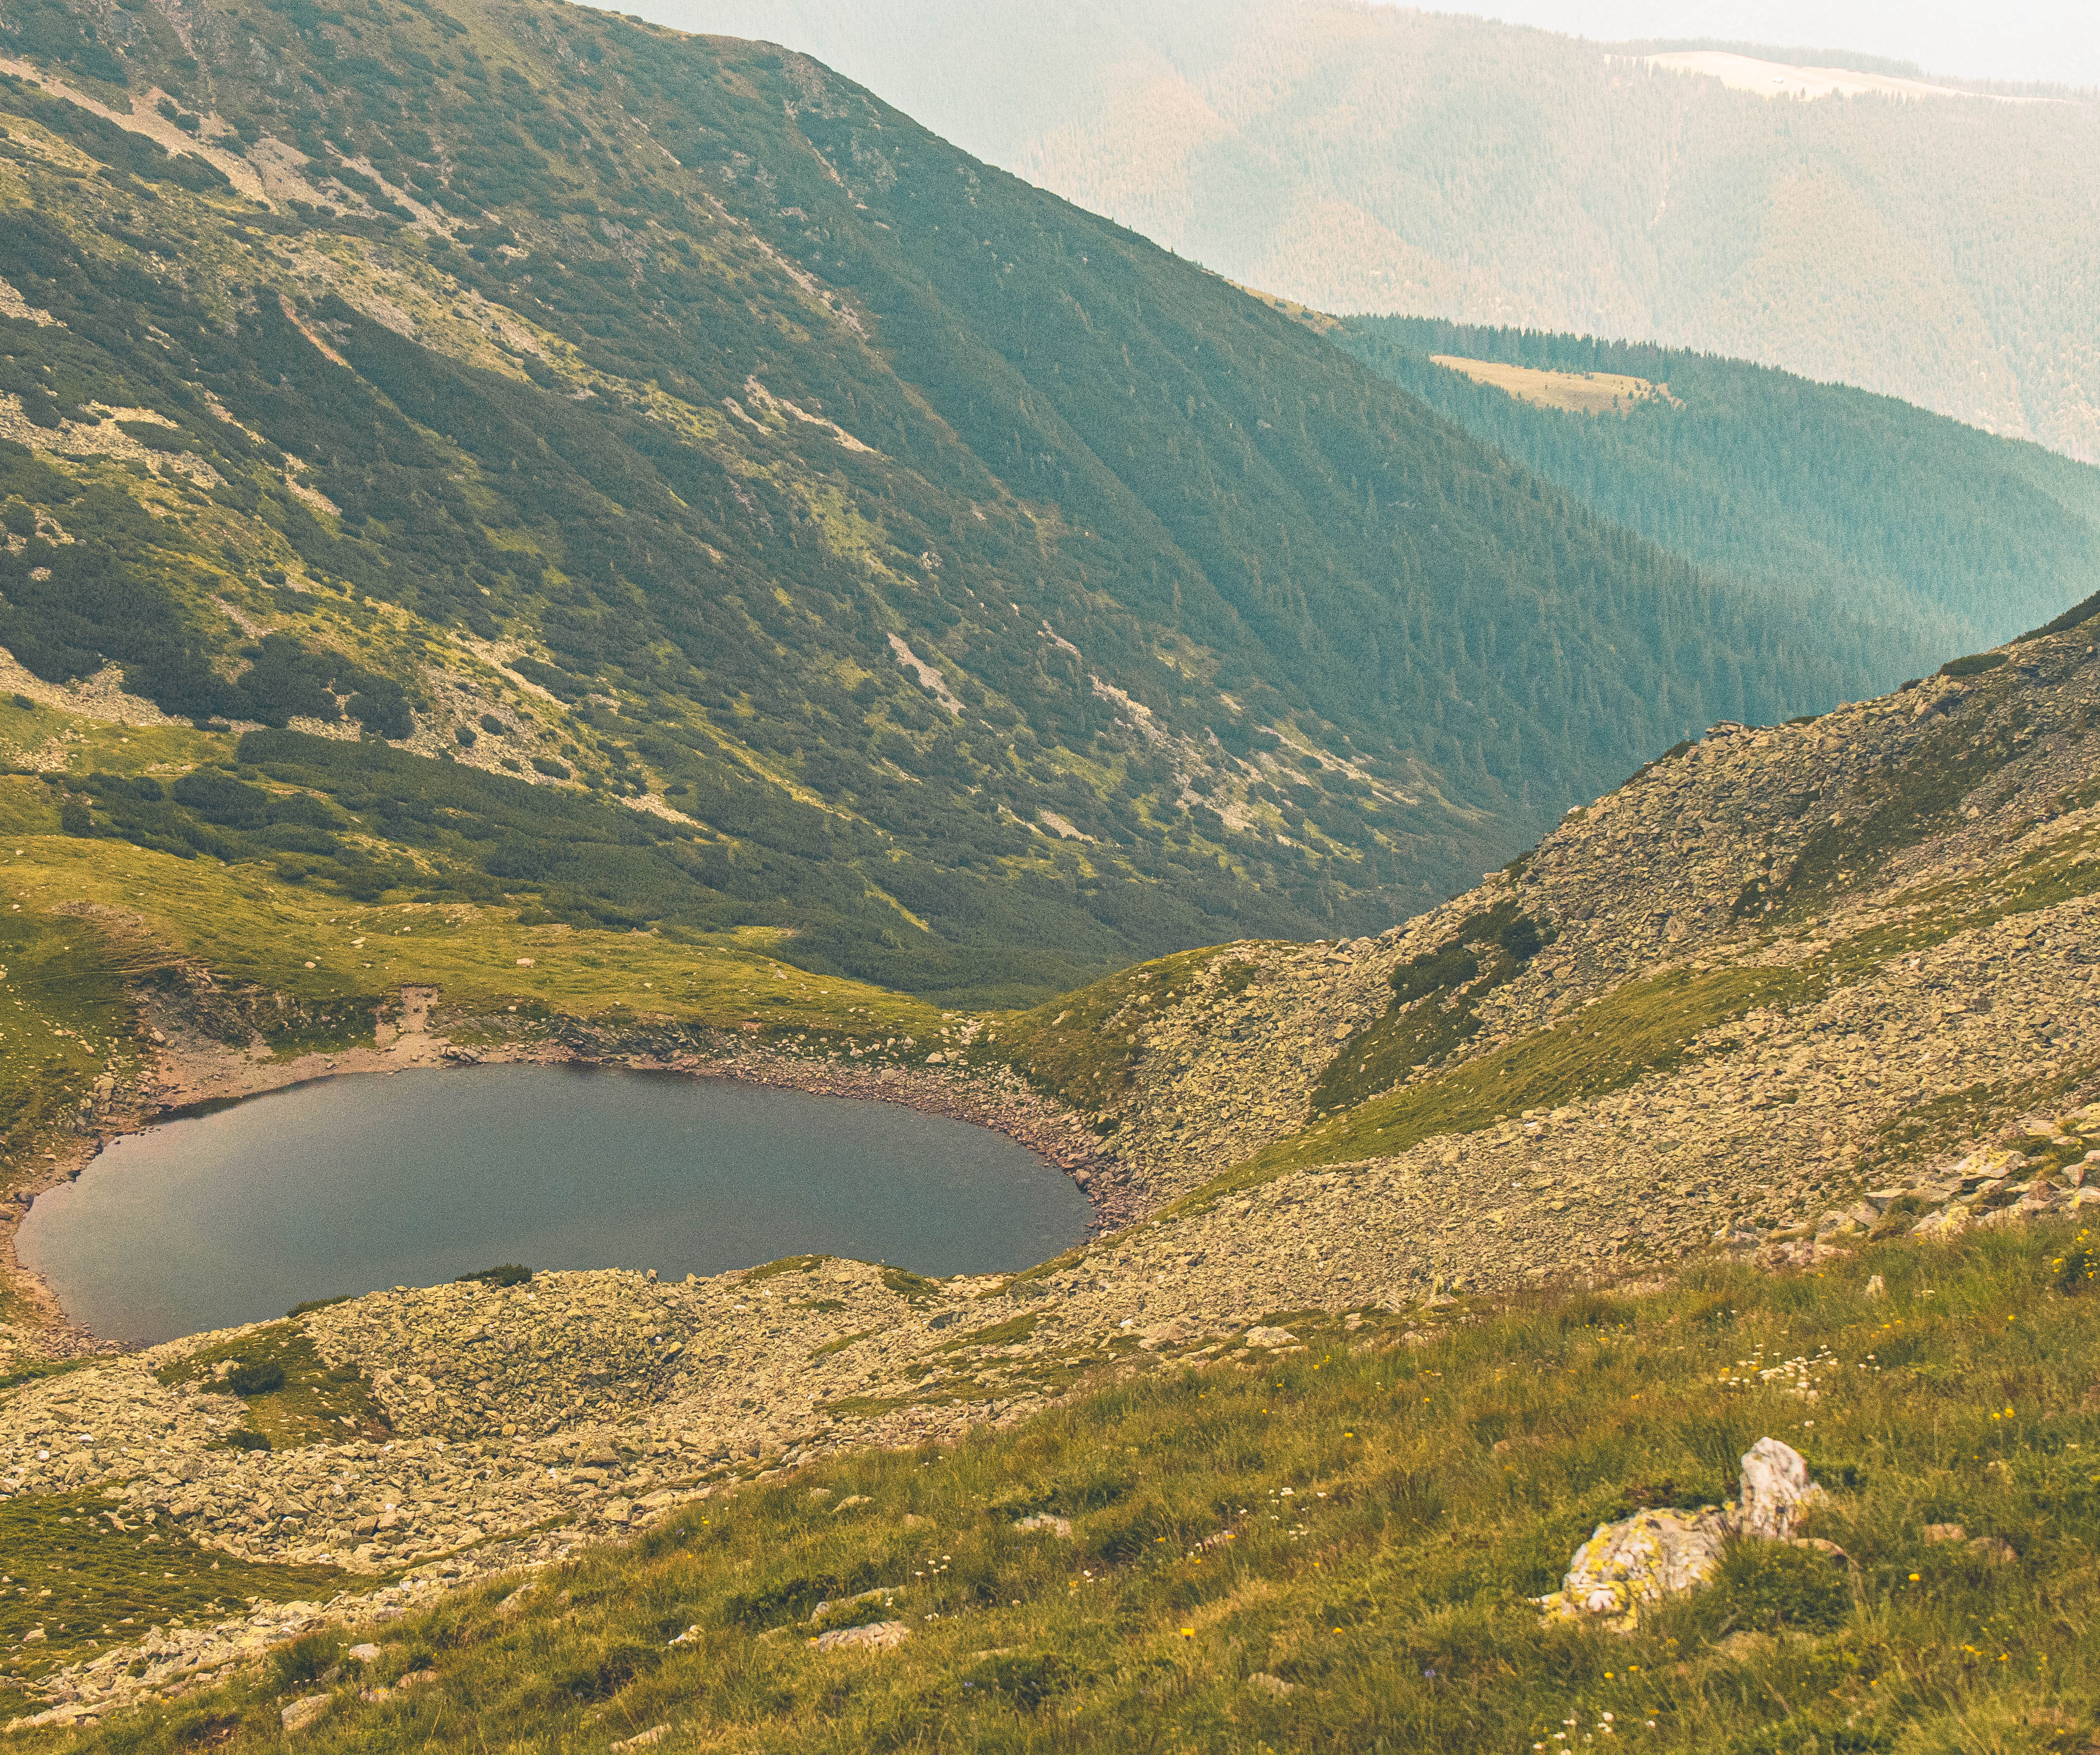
<point x="193" y="1074"/>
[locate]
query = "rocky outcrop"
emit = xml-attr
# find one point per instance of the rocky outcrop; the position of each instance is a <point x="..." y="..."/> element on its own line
<point x="1779" y="970"/>
<point x="1627" y="1567"/>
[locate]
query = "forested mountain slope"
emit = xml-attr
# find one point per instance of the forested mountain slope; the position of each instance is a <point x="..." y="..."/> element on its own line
<point x="1379" y="158"/>
<point x="953" y="579"/>
<point x="1953" y="538"/>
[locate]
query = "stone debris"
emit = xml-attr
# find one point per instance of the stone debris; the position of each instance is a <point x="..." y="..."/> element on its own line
<point x="877" y="1636"/>
<point x="1059" y="1526"/>
<point x="644" y="1739"/>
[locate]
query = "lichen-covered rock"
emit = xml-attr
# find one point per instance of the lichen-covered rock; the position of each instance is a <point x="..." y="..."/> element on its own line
<point x="1626" y="1566"/>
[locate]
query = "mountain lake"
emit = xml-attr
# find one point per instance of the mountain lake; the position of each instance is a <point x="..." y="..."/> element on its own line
<point x="354" y="1184"/>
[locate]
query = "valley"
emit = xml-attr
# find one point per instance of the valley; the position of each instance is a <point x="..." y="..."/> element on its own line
<point x="534" y="544"/>
<point x="1727" y="1010"/>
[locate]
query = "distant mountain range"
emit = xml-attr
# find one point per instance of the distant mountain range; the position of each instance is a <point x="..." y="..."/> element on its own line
<point x="1379" y="159"/>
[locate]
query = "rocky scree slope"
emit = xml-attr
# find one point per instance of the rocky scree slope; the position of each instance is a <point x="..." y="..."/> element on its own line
<point x="871" y="544"/>
<point x="1774" y="968"/>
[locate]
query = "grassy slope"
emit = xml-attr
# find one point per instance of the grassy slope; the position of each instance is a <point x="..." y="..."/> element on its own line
<point x="247" y="929"/>
<point x="1390" y="1507"/>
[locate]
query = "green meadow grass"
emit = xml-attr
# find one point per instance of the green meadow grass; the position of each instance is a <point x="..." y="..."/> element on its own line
<point x="250" y="929"/>
<point x="1361" y="1521"/>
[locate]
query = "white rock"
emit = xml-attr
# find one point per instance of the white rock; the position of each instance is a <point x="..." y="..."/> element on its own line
<point x="1270" y="1337"/>
<point x="1057" y="1526"/>
<point x="1777" y="1493"/>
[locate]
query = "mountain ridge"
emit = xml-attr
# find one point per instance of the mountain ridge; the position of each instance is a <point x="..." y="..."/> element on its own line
<point x="1377" y="159"/>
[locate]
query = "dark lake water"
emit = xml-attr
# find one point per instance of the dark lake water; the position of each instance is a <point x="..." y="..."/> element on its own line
<point x="354" y="1184"/>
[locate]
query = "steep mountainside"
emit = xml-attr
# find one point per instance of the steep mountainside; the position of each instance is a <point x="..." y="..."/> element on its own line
<point x="940" y="573"/>
<point x="1380" y="158"/>
<point x="1952" y="539"/>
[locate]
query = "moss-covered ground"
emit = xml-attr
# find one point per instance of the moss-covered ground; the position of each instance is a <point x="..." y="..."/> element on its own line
<point x="1360" y="1521"/>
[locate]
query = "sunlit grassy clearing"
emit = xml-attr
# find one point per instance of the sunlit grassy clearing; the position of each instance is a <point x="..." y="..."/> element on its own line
<point x="245" y="926"/>
<point x="1576" y="392"/>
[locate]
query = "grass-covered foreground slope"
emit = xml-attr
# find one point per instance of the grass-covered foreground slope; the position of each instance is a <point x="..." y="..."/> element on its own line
<point x="1332" y="1545"/>
<point x="892" y="552"/>
<point x="1948" y="537"/>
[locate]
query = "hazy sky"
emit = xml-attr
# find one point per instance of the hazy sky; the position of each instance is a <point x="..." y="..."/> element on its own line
<point x="2054" y="40"/>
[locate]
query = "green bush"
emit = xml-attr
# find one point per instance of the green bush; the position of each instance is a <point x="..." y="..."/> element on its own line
<point x="1765" y="1587"/>
<point x="510" y="1273"/>
<point x="305" y="1659"/>
<point x="1973" y="666"/>
<point x="240" y="1437"/>
<point x="320" y="1303"/>
<point x="258" y="1377"/>
<point x="1031" y="1681"/>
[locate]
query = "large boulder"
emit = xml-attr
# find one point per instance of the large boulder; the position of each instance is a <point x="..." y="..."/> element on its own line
<point x="1626" y="1566"/>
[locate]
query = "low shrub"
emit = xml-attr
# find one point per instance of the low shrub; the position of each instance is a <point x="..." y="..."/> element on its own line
<point x="258" y="1377"/>
<point x="510" y="1273"/>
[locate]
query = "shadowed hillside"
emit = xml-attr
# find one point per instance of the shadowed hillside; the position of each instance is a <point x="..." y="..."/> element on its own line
<point x="869" y="546"/>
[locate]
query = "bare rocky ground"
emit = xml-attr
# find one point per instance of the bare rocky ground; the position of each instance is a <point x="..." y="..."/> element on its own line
<point x="1782" y="991"/>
